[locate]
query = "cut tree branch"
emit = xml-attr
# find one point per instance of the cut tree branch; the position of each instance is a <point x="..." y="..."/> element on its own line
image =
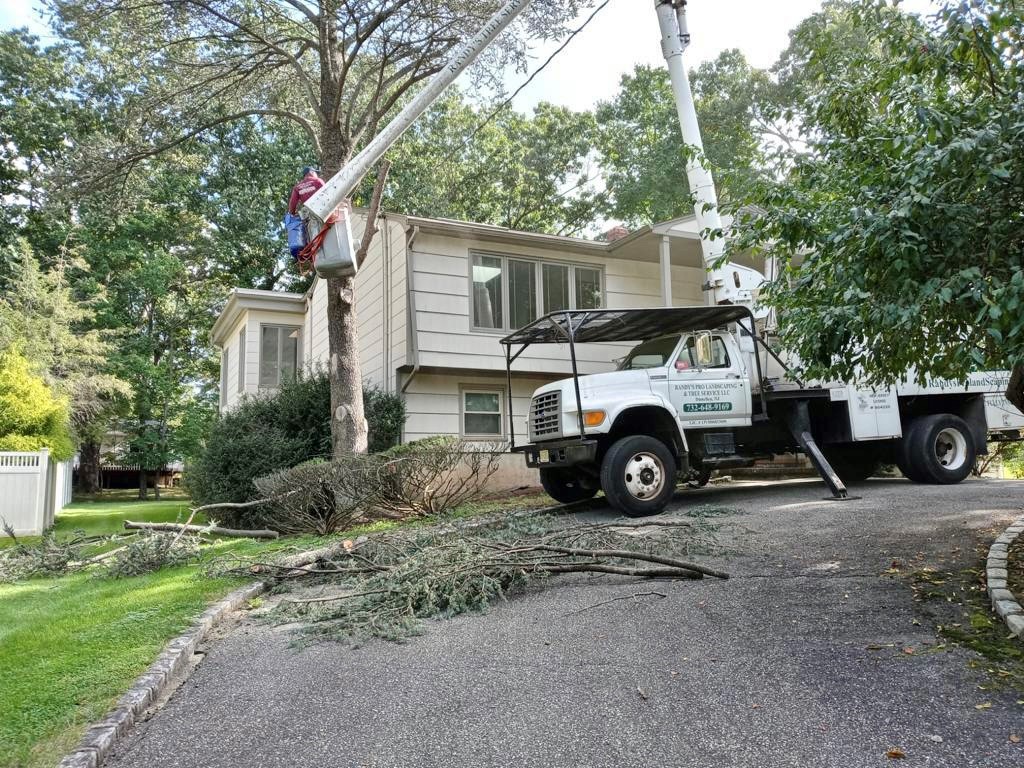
<point x="214" y="529"/>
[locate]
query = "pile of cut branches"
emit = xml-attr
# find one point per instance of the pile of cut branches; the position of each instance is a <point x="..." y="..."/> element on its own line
<point x="386" y="585"/>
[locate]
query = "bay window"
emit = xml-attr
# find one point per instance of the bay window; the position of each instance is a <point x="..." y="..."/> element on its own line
<point x="528" y="289"/>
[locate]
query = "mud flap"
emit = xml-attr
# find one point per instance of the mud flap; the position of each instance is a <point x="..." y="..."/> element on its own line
<point x="799" y="421"/>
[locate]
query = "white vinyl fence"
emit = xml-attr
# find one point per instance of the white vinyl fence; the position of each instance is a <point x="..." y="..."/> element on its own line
<point x="33" y="489"/>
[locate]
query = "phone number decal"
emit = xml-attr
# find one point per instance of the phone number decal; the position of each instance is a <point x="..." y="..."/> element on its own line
<point x="706" y="407"/>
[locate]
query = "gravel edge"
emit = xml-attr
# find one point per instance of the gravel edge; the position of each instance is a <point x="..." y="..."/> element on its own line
<point x="171" y="667"/>
<point x="1003" y="600"/>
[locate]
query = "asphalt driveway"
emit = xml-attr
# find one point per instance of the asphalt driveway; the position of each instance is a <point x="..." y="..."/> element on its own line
<point x="798" y="660"/>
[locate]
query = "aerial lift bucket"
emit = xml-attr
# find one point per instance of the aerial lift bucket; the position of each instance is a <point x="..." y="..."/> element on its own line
<point x="333" y="252"/>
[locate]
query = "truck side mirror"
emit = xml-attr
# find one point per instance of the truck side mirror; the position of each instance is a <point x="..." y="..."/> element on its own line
<point x="704" y="352"/>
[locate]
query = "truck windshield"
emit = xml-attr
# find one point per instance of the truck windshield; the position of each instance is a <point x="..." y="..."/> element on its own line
<point x="650" y="354"/>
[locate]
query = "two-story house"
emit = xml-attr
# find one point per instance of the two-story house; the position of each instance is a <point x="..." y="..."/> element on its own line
<point x="433" y="298"/>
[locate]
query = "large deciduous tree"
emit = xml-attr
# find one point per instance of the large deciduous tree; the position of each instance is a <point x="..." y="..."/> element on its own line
<point x="505" y="168"/>
<point x="642" y="152"/>
<point x="908" y="205"/>
<point x="337" y="68"/>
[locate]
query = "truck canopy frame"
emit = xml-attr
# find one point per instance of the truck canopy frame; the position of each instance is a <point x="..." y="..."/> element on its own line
<point x="588" y="326"/>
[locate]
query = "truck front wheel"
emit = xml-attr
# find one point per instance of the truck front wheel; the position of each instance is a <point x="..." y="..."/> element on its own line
<point x="940" y="449"/>
<point x="638" y="475"/>
<point x="564" y="486"/>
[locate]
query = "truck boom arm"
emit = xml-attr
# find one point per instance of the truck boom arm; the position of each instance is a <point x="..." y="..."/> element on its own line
<point x="730" y="283"/>
<point x="340" y="186"/>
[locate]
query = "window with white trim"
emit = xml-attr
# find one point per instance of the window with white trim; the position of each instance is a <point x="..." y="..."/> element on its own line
<point x="279" y="354"/>
<point x="509" y="292"/>
<point x="483" y="413"/>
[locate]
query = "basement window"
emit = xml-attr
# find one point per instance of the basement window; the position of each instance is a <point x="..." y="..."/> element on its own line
<point x="482" y="413"/>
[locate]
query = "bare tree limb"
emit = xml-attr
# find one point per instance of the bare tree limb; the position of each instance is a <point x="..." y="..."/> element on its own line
<point x="371" y="215"/>
<point x="216" y="530"/>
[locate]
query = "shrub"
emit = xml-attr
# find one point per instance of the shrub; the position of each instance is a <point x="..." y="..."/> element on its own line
<point x="425" y="477"/>
<point x="385" y="415"/>
<point x="316" y="497"/>
<point x="31" y="416"/>
<point x="264" y="435"/>
<point x="431" y="476"/>
<point x="261" y="436"/>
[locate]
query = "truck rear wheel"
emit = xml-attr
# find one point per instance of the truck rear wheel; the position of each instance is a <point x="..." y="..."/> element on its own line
<point x="564" y="486"/>
<point x="939" y="449"/>
<point x="638" y="475"/>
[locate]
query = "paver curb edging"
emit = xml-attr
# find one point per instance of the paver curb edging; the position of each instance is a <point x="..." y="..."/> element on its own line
<point x="1003" y="600"/>
<point x="170" y="668"/>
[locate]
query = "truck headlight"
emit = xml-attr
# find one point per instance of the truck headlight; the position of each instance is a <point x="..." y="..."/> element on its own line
<point x="593" y="418"/>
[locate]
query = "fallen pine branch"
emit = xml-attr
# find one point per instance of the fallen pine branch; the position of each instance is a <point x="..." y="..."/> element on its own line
<point x="386" y="583"/>
<point x="213" y="529"/>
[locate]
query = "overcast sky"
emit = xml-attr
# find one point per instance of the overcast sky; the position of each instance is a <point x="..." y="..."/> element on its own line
<point x="621" y="36"/>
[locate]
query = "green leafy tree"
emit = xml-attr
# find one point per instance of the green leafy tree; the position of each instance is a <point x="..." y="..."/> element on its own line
<point x="907" y="205"/>
<point x="32" y="417"/>
<point x="509" y="169"/>
<point x="40" y="117"/>
<point x="643" y="154"/>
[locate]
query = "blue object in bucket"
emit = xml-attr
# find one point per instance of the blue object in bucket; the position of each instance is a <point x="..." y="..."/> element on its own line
<point x="296" y="230"/>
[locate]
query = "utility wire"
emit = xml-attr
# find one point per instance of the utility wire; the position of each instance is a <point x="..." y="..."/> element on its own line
<point x="495" y="112"/>
<point x="537" y="71"/>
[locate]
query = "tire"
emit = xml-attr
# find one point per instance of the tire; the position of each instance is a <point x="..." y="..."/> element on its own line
<point x="902" y="453"/>
<point x="852" y="463"/>
<point x="638" y="475"/>
<point x="564" y="486"/>
<point x="940" y="449"/>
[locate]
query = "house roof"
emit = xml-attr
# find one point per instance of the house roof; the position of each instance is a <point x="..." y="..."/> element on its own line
<point x="250" y="298"/>
<point x="673" y="228"/>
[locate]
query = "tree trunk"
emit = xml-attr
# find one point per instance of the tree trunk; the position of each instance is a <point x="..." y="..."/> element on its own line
<point x="348" y="422"/>
<point x="1015" y="387"/>
<point x="143" y="484"/>
<point x="156" y="485"/>
<point x="89" y="467"/>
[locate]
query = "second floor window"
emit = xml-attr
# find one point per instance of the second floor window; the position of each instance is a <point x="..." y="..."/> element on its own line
<point x="508" y="293"/>
<point x="279" y="354"/>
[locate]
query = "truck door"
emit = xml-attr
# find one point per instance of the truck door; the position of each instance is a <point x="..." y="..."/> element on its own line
<point x="708" y="384"/>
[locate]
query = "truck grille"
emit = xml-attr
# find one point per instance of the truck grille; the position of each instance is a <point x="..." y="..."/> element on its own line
<point x="545" y="415"/>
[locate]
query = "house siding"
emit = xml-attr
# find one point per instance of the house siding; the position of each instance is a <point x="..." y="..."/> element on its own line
<point x="441" y="281"/>
<point x="380" y="309"/>
<point x="434" y="407"/>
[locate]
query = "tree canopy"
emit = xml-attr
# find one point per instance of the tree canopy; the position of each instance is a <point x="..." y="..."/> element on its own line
<point x="900" y="224"/>
<point x="642" y="153"/>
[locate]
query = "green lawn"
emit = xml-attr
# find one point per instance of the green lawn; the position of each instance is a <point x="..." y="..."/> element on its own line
<point x="70" y="646"/>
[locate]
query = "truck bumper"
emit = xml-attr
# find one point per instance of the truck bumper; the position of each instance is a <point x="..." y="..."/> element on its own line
<point x="559" y="453"/>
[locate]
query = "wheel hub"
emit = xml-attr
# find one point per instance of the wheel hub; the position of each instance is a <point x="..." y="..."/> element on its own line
<point x="950" y="449"/>
<point x="645" y="476"/>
